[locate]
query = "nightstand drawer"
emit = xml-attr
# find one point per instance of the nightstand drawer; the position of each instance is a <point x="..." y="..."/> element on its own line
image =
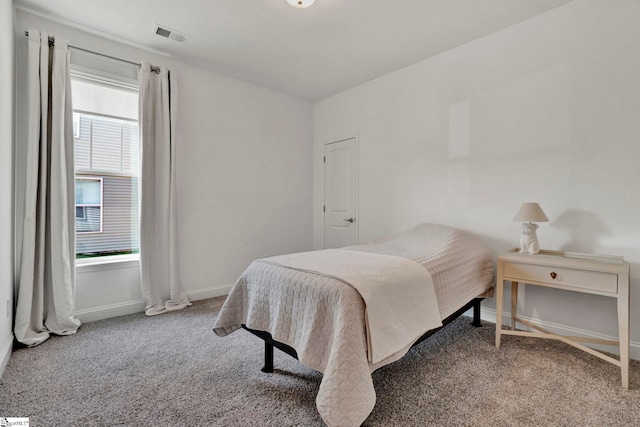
<point x="594" y="280"/>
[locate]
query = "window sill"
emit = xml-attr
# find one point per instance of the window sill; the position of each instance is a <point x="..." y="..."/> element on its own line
<point x="88" y="265"/>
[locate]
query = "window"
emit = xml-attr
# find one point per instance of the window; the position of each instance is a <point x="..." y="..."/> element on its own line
<point x="106" y="166"/>
<point x="88" y="205"/>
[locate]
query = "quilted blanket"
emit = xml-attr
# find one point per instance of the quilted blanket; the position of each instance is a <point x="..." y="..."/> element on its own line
<point x="323" y="318"/>
<point x="400" y="302"/>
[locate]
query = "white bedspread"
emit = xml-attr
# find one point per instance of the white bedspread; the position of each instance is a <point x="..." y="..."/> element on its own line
<point x="400" y="301"/>
<point x="324" y="319"/>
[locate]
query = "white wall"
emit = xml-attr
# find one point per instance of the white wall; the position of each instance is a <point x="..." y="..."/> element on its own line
<point x="6" y="180"/>
<point x="244" y="180"/>
<point x="547" y="111"/>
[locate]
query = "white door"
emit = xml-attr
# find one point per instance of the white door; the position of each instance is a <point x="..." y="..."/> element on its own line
<point x="340" y="194"/>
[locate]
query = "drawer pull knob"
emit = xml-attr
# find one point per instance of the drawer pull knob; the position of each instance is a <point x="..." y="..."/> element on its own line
<point x="553" y="275"/>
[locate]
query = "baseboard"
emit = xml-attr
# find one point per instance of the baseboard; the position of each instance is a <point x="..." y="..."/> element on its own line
<point x="131" y="307"/>
<point x="210" y="292"/>
<point x="5" y="353"/>
<point x="489" y="315"/>
<point x="112" y="310"/>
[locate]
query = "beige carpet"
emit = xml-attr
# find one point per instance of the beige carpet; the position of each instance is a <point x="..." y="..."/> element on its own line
<point x="172" y="370"/>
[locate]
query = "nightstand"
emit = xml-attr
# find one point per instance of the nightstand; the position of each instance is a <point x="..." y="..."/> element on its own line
<point x="607" y="276"/>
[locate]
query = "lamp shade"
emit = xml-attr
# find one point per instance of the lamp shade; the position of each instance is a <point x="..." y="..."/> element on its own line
<point x="530" y="212"/>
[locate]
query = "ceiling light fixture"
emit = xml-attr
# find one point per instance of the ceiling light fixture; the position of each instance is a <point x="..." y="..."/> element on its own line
<point x="300" y="4"/>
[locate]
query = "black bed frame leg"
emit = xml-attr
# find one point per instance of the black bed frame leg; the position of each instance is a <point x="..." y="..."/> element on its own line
<point x="268" y="358"/>
<point x="476" y="313"/>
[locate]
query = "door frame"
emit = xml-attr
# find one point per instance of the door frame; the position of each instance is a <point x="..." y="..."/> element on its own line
<point x="356" y="143"/>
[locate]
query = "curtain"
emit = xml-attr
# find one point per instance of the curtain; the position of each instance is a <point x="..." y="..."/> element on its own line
<point x="159" y="270"/>
<point x="46" y="290"/>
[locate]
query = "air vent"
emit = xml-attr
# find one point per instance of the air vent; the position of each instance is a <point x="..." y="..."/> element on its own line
<point x="170" y="34"/>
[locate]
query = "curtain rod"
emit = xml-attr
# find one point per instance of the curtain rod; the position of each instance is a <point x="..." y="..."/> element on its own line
<point x="51" y="42"/>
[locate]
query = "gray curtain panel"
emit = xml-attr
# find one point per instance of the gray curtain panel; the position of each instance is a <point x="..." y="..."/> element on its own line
<point x="46" y="292"/>
<point x="159" y="271"/>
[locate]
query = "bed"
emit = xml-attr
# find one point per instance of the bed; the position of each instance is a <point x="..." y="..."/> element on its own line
<point x="313" y="308"/>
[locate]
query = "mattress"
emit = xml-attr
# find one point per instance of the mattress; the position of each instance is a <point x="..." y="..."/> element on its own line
<point x="323" y="318"/>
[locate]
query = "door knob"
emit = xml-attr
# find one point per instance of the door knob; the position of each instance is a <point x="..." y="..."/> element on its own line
<point x="349" y="220"/>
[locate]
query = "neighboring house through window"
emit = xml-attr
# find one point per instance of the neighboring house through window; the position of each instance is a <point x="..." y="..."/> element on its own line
<point x="89" y="205"/>
<point x="107" y="158"/>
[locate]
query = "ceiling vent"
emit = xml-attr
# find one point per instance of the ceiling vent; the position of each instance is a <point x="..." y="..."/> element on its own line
<point x="170" y="34"/>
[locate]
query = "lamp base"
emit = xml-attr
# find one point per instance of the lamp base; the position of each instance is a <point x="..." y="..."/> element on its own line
<point x="529" y="240"/>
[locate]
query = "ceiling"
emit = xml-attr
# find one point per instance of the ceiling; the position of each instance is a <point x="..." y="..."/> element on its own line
<point x="308" y="53"/>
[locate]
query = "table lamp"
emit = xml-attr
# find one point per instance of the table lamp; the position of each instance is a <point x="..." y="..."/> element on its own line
<point x="528" y="214"/>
